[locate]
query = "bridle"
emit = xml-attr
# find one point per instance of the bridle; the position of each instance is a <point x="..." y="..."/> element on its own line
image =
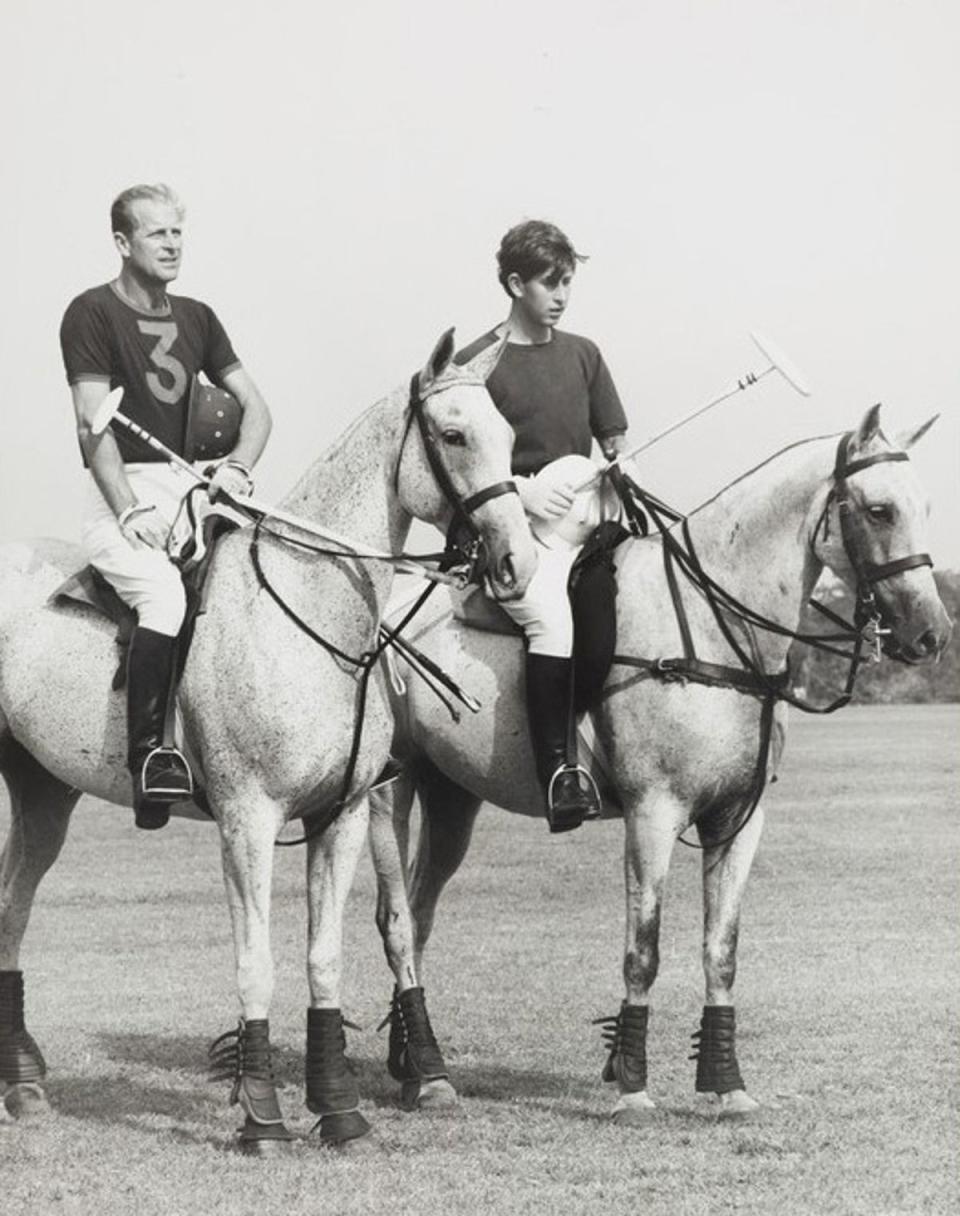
<point x="867" y="611"/>
<point x="679" y="555"/>
<point x="464" y="544"/>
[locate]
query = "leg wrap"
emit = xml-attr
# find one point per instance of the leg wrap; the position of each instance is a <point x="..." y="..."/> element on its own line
<point x="626" y="1037"/>
<point x="243" y="1056"/>
<point x="414" y="1053"/>
<point x="20" y="1057"/>
<point x="331" y="1085"/>
<point x="715" y="1051"/>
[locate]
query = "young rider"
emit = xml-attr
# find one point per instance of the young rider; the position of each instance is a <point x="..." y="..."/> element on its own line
<point x="131" y="333"/>
<point x="555" y="390"/>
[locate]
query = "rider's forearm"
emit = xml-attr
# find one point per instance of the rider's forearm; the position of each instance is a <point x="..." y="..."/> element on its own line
<point x="106" y="465"/>
<point x="254" y="432"/>
<point x="255" y="424"/>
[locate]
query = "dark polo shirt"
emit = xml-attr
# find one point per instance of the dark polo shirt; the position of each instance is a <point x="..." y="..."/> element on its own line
<point x="556" y="395"/>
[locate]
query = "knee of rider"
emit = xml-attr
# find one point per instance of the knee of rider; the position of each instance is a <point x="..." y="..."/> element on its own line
<point x="163" y="608"/>
<point x="552" y="634"/>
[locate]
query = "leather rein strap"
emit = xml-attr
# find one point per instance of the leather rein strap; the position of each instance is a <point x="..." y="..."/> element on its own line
<point x="867" y="572"/>
<point x="463" y="535"/>
<point x="365" y="662"/>
<point x="750" y="678"/>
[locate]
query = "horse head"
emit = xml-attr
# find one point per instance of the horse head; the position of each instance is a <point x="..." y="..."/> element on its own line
<point x="874" y="538"/>
<point x="458" y="474"/>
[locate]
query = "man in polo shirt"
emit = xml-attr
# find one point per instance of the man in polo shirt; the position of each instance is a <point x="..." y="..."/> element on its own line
<point x="555" y="390"/>
<point x="131" y="333"/>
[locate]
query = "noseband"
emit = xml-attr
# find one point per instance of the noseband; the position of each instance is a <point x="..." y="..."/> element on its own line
<point x="867" y="573"/>
<point x="463" y="535"/>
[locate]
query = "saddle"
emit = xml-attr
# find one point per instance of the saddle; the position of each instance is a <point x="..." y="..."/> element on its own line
<point x="592" y="588"/>
<point x="89" y="588"/>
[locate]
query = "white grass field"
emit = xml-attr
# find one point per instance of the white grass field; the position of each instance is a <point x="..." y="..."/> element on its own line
<point x="847" y="1007"/>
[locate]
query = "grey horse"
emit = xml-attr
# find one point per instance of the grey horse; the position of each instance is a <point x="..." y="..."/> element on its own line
<point x="269" y="715"/>
<point x="682" y="753"/>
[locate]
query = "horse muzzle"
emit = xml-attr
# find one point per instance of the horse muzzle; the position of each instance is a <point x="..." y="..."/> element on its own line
<point x="509" y="572"/>
<point x="919" y="640"/>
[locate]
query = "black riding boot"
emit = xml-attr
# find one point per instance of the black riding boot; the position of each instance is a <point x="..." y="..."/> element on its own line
<point x="160" y="774"/>
<point x="569" y="793"/>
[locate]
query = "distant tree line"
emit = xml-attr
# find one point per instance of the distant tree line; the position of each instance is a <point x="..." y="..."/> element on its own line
<point x="821" y="676"/>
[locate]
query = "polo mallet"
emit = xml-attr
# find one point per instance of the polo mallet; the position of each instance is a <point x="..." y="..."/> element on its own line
<point x="778" y="362"/>
<point x="109" y="412"/>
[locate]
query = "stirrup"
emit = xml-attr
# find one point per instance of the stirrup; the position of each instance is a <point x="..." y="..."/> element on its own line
<point x="564" y="818"/>
<point x="588" y="787"/>
<point x="178" y="785"/>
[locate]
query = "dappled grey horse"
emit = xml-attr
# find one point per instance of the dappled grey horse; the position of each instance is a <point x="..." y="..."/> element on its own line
<point x="269" y="713"/>
<point x="683" y="739"/>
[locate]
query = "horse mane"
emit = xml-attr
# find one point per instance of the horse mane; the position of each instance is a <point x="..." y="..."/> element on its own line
<point x="799" y="443"/>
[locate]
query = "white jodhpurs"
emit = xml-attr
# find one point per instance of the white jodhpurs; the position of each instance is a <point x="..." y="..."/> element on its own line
<point x="543" y="611"/>
<point x="144" y="578"/>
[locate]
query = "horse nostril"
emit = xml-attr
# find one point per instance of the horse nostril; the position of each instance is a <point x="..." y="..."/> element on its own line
<point x="928" y="642"/>
<point x="508" y="576"/>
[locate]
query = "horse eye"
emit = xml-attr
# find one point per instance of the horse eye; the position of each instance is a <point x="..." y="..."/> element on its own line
<point x="880" y="513"/>
<point x="453" y="438"/>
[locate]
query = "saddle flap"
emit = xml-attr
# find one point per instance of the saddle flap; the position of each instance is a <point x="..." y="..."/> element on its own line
<point x="477" y="610"/>
<point x="89" y="587"/>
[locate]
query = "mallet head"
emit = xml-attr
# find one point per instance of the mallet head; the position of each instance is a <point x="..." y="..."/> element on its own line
<point x="779" y="361"/>
<point x="104" y="415"/>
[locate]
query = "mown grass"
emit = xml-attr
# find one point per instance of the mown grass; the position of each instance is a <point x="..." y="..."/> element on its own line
<point x="847" y="1007"/>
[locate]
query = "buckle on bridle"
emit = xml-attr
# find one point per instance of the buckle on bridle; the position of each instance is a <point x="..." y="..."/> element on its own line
<point x="878" y="631"/>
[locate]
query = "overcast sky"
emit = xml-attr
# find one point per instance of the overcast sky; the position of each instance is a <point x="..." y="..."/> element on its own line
<point x="786" y="165"/>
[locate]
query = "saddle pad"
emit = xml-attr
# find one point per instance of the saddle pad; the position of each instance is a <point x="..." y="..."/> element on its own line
<point x="89" y="587"/>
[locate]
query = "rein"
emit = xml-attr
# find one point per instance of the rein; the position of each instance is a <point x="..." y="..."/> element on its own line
<point x="751" y="678"/>
<point x="458" y="552"/>
<point x="463" y="535"/>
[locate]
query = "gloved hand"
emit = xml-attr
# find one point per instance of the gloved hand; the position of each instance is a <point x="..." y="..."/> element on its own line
<point x="142" y="527"/>
<point x="613" y="445"/>
<point x="545" y="501"/>
<point x="233" y="478"/>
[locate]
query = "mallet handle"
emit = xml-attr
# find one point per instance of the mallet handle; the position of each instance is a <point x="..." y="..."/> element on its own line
<point x="271" y="512"/>
<point x="748" y="380"/>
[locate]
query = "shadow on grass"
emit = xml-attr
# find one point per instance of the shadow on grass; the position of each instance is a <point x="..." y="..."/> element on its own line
<point x="195" y="1110"/>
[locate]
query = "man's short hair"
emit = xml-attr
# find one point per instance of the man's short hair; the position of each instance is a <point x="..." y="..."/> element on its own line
<point x="532" y="248"/>
<point x="121" y="213"/>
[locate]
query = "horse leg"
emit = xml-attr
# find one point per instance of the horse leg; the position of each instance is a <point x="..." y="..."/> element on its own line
<point x="247" y="843"/>
<point x="651" y="831"/>
<point x="448" y="813"/>
<point x="725" y="871"/>
<point x="40" y="807"/>
<point x="414" y="1057"/>
<point x="332" y="1091"/>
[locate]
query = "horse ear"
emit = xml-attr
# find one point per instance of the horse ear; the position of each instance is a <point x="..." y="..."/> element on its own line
<point x="481" y="366"/>
<point x="869" y="427"/>
<point x="908" y="438"/>
<point x="439" y="361"/>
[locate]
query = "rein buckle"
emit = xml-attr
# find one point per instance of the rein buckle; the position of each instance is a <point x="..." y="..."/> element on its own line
<point x="878" y="633"/>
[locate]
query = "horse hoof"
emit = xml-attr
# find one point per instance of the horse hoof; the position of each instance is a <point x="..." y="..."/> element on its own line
<point x="263" y="1148"/>
<point x="26" y="1101"/>
<point x="737" y="1105"/>
<point x="428" y="1095"/>
<point x="341" y="1129"/>
<point x="634" y="1110"/>
<point x="263" y="1139"/>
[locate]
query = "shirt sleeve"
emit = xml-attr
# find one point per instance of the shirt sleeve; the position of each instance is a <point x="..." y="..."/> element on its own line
<point x="606" y="411"/>
<point x="219" y="356"/>
<point x="85" y="343"/>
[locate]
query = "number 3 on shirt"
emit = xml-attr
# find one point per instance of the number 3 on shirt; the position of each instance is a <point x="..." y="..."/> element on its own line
<point x="166" y="334"/>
